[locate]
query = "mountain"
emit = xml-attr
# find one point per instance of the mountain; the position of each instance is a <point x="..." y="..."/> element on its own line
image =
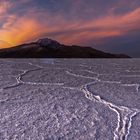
<point x="48" y="48"/>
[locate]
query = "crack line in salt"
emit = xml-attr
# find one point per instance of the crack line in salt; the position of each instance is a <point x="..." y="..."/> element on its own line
<point x="94" y="78"/>
<point x="124" y="114"/>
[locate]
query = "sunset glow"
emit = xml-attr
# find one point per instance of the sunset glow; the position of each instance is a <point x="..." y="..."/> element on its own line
<point x="81" y="22"/>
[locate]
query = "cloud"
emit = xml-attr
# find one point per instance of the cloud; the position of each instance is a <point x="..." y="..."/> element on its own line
<point x="98" y="29"/>
<point x="4" y="6"/>
<point x="18" y="32"/>
<point x="4" y="44"/>
<point x="34" y="23"/>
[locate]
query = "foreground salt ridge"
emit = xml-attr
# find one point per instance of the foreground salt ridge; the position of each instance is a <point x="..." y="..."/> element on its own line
<point x="124" y="114"/>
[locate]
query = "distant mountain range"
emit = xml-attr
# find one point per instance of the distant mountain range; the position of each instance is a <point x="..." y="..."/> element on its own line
<point x="48" y="48"/>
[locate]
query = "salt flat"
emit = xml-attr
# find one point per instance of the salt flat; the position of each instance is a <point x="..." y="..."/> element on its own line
<point x="69" y="99"/>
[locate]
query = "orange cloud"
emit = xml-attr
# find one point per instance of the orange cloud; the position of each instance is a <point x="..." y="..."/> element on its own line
<point x="4" y="44"/>
<point x="18" y="32"/>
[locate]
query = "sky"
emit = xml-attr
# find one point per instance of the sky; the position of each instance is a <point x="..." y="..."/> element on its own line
<point x="109" y="25"/>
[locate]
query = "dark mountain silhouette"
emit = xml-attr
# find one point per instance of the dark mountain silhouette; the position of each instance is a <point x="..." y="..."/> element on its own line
<point x="48" y="48"/>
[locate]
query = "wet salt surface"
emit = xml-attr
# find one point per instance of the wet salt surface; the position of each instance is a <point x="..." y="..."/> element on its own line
<point x="74" y="99"/>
